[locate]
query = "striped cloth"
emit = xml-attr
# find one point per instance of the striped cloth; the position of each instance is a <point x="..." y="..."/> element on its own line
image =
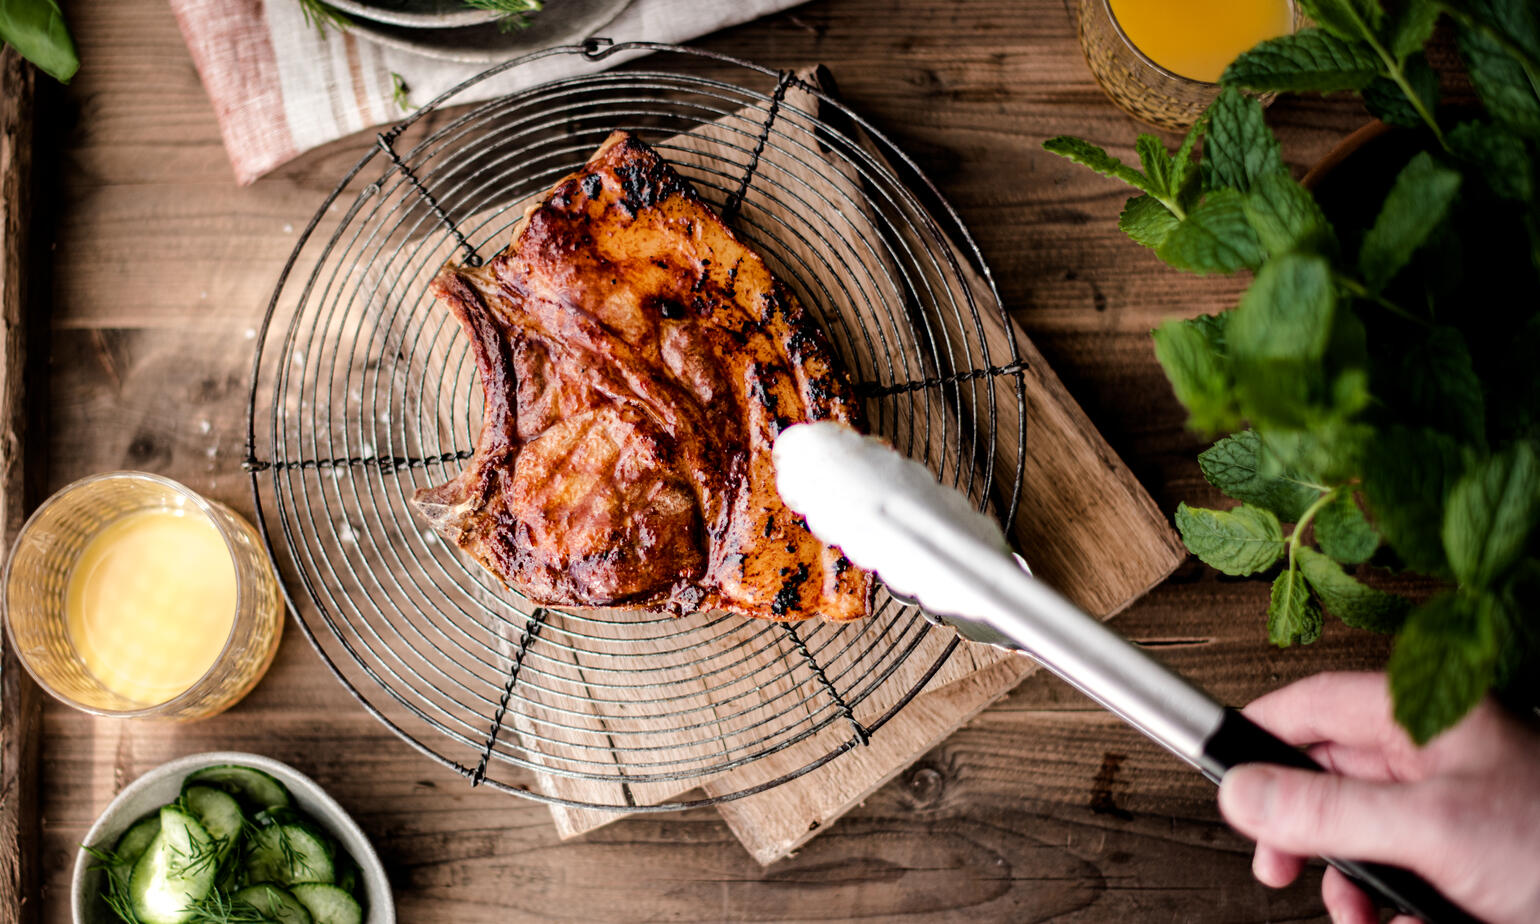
<point x="280" y="87"/>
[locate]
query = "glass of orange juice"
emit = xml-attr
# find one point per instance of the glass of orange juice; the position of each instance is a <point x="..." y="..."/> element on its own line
<point x="1160" y="60"/>
<point x="128" y="594"/>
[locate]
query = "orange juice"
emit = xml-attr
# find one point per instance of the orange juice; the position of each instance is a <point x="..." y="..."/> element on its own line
<point x="1197" y="38"/>
<point x="150" y="603"/>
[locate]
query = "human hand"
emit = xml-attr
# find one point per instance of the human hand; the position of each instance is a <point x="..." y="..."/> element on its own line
<point x="1463" y="812"/>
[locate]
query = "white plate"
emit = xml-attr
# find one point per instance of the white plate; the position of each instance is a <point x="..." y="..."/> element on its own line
<point x="164" y="784"/>
<point x="561" y="22"/>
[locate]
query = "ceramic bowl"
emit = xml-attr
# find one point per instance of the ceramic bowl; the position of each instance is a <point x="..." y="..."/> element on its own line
<point x="164" y="784"/>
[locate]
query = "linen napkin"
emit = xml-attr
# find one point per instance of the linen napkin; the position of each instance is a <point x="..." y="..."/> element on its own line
<point x="281" y="87"/>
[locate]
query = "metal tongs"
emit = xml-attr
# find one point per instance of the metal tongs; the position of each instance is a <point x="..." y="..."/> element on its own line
<point x="928" y="545"/>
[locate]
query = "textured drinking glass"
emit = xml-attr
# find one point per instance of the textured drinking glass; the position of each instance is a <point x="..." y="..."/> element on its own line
<point x="38" y="575"/>
<point x="1142" y="88"/>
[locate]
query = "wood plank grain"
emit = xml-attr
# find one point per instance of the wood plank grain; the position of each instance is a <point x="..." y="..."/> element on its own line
<point x="20" y="720"/>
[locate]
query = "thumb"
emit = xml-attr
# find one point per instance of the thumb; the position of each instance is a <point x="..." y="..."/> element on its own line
<point x="1319" y="814"/>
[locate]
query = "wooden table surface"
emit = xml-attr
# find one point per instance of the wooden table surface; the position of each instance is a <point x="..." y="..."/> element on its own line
<point x="1045" y="808"/>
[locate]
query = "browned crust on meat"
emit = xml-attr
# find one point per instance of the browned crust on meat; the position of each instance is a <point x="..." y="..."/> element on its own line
<point x="637" y="361"/>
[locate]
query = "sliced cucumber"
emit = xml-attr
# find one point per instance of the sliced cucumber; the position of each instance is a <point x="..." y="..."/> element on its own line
<point x="346" y="872"/>
<point x="275" y="902"/>
<point x="258" y="789"/>
<point x="176" y="871"/>
<point x="286" y="854"/>
<point x="136" y="840"/>
<point x="219" y="814"/>
<point x="328" y="904"/>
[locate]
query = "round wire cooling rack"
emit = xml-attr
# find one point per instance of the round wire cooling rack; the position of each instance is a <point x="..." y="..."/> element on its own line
<point x="363" y="391"/>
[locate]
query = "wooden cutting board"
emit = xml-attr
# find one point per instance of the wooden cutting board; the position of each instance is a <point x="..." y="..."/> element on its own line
<point x="1083" y="522"/>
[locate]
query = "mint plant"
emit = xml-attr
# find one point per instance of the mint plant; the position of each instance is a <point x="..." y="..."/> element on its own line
<point x="1382" y="378"/>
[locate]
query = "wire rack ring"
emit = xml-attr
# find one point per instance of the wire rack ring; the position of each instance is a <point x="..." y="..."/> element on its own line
<point x="362" y="392"/>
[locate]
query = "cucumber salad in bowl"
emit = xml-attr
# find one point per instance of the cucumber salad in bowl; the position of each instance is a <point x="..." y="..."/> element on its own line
<point x="233" y="846"/>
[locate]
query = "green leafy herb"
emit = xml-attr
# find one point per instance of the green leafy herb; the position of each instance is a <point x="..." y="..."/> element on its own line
<point x="1147" y="221"/>
<point x="1239" y="148"/>
<point x="1343" y="533"/>
<point x="1285" y="216"/>
<point x="1214" y="237"/>
<point x="400" y="92"/>
<point x="1089" y="155"/>
<point x="1309" y="60"/>
<point x="37" y="30"/>
<point x="1234" y="465"/>
<point x="1192" y="354"/>
<point x="1240" y="541"/>
<point x="1346" y="19"/>
<point x="319" y="15"/>
<point x="1293" y="616"/>
<point x="516" y="13"/>
<point x="1344" y="597"/>
<point x="1444" y="661"/>
<point x="1416" y="204"/>
<point x="1381" y="366"/>
<point x="1492" y="511"/>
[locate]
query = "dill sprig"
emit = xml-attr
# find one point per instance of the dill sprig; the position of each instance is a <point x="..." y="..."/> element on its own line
<point x="116" y="867"/>
<point x="219" y="908"/>
<point x="200" y="854"/>
<point x="298" y="866"/>
<point x="318" y="15"/>
<point x="516" y="13"/>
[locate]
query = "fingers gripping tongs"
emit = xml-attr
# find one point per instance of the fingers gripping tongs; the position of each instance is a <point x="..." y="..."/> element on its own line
<point x="927" y="543"/>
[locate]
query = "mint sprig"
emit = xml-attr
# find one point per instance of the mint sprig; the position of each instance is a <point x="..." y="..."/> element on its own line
<point x="1379" y="373"/>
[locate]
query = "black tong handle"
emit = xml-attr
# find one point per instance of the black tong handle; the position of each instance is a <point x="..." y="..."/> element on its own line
<point x="1238" y="741"/>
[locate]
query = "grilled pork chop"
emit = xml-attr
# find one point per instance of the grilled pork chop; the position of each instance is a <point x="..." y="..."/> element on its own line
<point x="637" y="362"/>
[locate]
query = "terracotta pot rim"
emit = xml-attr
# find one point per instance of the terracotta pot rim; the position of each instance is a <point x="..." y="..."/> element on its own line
<point x="1343" y="149"/>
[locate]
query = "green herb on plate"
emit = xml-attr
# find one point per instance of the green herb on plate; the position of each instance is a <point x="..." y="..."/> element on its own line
<point x="1380" y="372"/>
<point x="231" y="849"/>
<point x="400" y="92"/>
<point x="516" y="13"/>
<point x="319" y="15"/>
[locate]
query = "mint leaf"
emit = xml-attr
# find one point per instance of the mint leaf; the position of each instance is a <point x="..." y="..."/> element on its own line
<point x="1490" y="514"/>
<point x="1241" y="541"/>
<point x="1239" y="148"/>
<point x="1234" y="465"/>
<point x="1418" y="201"/>
<point x="1328" y="451"/>
<point x="1188" y="173"/>
<point x="1443" y="663"/>
<point x="1285" y="215"/>
<point x="1436" y="384"/>
<point x="39" y="34"/>
<point x="1213" y="238"/>
<point x="1287" y="312"/>
<point x="1157" y="164"/>
<point x="1413" y="26"/>
<point x="1501" y="82"/>
<point x="1192" y="353"/>
<point x="1147" y="221"/>
<point x="1498" y="156"/>
<point x="1293" y="616"/>
<point x="1343" y="533"/>
<point x="1348" y="19"/>
<point x="1087" y="154"/>
<point x="1309" y="60"/>
<point x="1356" y="604"/>
<point x="1386" y="101"/>
<point x="1407" y="473"/>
